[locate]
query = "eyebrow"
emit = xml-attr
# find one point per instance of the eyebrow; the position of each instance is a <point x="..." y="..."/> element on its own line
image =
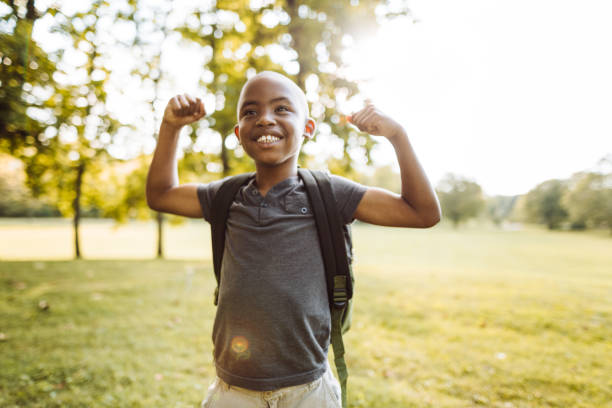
<point x="280" y="98"/>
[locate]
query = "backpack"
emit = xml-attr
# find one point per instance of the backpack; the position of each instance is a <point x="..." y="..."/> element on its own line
<point x="330" y="230"/>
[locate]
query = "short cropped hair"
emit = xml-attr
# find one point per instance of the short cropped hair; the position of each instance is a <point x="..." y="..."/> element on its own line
<point x="299" y="93"/>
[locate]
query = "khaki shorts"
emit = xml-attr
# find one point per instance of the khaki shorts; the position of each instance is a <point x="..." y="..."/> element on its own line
<point x="321" y="393"/>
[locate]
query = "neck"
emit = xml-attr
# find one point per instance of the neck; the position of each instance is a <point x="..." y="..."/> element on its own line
<point x="268" y="176"/>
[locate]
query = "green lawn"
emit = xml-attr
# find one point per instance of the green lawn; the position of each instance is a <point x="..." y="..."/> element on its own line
<point x="478" y="317"/>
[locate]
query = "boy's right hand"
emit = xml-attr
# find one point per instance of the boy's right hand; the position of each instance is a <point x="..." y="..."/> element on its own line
<point x="183" y="110"/>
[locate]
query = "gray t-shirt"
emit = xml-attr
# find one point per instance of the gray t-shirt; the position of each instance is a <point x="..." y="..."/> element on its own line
<point x="272" y="327"/>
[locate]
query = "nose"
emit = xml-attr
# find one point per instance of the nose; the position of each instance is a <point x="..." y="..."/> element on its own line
<point x="265" y="119"/>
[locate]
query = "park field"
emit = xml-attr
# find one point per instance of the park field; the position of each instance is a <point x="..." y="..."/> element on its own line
<point x="475" y="317"/>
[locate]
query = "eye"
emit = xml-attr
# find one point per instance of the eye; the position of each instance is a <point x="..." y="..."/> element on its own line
<point x="282" y="108"/>
<point x="249" y="112"/>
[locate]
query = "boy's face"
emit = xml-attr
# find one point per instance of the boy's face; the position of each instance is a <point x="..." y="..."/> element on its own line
<point x="272" y="120"/>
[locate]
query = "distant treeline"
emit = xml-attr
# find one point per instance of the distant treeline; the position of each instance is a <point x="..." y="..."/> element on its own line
<point x="580" y="202"/>
<point x="583" y="201"/>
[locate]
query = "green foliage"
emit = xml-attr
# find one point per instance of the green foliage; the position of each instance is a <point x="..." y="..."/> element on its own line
<point x="26" y="76"/>
<point x="583" y="201"/>
<point x="589" y="200"/>
<point x="241" y="37"/>
<point x="543" y="203"/>
<point x="61" y="135"/>
<point x="53" y="113"/>
<point x="15" y="199"/>
<point x="119" y="190"/>
<point x="460" y="198"/>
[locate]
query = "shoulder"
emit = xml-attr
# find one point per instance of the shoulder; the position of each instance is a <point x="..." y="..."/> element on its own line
<point x="211" y="189"/>
<point x="214" y="186"/>
<point x="208" y="191"/>
<point x="342" y="185"/>
<point x="348" y="195"/>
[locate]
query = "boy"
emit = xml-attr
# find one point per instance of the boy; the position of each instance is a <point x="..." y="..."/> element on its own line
<point x="272" y="327"/>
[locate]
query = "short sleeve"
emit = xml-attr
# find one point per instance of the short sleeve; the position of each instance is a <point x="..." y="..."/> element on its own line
<point x="206" y="195"/>
<point x="348" y="196"/>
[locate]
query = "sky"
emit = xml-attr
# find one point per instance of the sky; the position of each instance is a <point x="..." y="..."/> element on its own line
<point x="508" y="94"/>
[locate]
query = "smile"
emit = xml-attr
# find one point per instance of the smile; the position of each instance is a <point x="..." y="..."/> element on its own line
<point x="267" y="139"/>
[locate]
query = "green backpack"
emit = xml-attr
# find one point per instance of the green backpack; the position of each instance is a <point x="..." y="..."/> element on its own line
<point x="338" y="270"/>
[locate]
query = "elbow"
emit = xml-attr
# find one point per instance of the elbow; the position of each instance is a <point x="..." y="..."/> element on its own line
<point x="152" y="201"/>
<point x="154" y="196"/>
<point x="151" y="204"/>
<point x="431" y="218"/>
<point x="149" y="196"/>
<point x="434" y="215"/>
<point x="425" y="217"/>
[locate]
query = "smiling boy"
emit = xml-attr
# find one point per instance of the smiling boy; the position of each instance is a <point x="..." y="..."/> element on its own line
<point x="272" y="327"/>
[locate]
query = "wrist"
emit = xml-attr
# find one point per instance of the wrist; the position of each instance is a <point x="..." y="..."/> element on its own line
<point x="397" y="134"/>
<point x="170" y="127"/>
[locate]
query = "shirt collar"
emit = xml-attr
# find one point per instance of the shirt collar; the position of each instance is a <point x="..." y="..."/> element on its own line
<point x="279" y="189"/>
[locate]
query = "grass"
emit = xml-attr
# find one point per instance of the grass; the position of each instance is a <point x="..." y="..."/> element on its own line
<point x="478" y="317"/>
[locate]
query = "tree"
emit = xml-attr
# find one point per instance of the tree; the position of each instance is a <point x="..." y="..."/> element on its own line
<point x="543" y="204"/>
<point x="589" y="200"/>
<point x="305" y="39"/>
<point x="53" y="108"/>
<point x="85" y="128"/>
<point x="26" y="75"/>
<point x="460" y="198"/>
<point x="122" y="195"/>
<point x="150" y="31"/>
<point x="66" y="143"/>
<point x="228" y="32"/>
<point x="15" y="199"/>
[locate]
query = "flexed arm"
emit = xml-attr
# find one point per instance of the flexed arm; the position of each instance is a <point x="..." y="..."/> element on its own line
<point x="163" y="190"/>
<point x="418" y="205"/>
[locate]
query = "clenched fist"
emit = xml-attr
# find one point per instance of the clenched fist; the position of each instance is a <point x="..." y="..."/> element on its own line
<point x="183" y="110"/>
<point x="373" y="121"/>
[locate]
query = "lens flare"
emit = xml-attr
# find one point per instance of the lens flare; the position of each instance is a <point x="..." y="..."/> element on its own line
<point x="240" y="346"/>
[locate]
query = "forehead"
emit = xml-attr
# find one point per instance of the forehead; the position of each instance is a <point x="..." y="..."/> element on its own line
<point x="265" y="88"/>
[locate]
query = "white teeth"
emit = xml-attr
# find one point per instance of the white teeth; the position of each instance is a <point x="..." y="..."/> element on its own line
<point x="267" y="139"/>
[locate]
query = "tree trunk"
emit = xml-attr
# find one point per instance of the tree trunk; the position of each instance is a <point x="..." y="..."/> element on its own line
<point x="31" y="13"/>
<point x="76" y="206"/>
<point x="160" y="235"/>
<point x="224" y="158"/>
<point x="295" y="30"/>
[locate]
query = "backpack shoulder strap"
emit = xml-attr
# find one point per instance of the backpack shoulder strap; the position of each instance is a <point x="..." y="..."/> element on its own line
<point x="337" y="272"/>
<point x="323" y="228"/>
<point x="337" y="235"/>
<point x="218" y="220"/>
<point x="331" y="235"/>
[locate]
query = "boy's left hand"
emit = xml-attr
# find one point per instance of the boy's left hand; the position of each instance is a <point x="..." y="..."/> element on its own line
<point x="373" y="121"/>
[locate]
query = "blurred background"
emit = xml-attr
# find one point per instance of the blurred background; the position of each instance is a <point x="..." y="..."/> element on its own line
<point x="507" y="106"/>
<point x="506" y="303"/>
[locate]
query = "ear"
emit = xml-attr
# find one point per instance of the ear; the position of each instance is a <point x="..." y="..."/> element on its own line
<point x="309" y="129"/>
<point x="237" y="133"/>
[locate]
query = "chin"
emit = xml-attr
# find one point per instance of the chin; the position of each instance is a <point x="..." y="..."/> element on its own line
<point x="273" y="161"/>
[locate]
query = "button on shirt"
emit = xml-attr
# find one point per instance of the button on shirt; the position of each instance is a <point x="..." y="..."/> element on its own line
<point x="272" y="326"/>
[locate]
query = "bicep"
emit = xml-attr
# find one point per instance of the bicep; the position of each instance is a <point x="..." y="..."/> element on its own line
<point x="382" y="207"/>
<point x="181" y="200"/>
